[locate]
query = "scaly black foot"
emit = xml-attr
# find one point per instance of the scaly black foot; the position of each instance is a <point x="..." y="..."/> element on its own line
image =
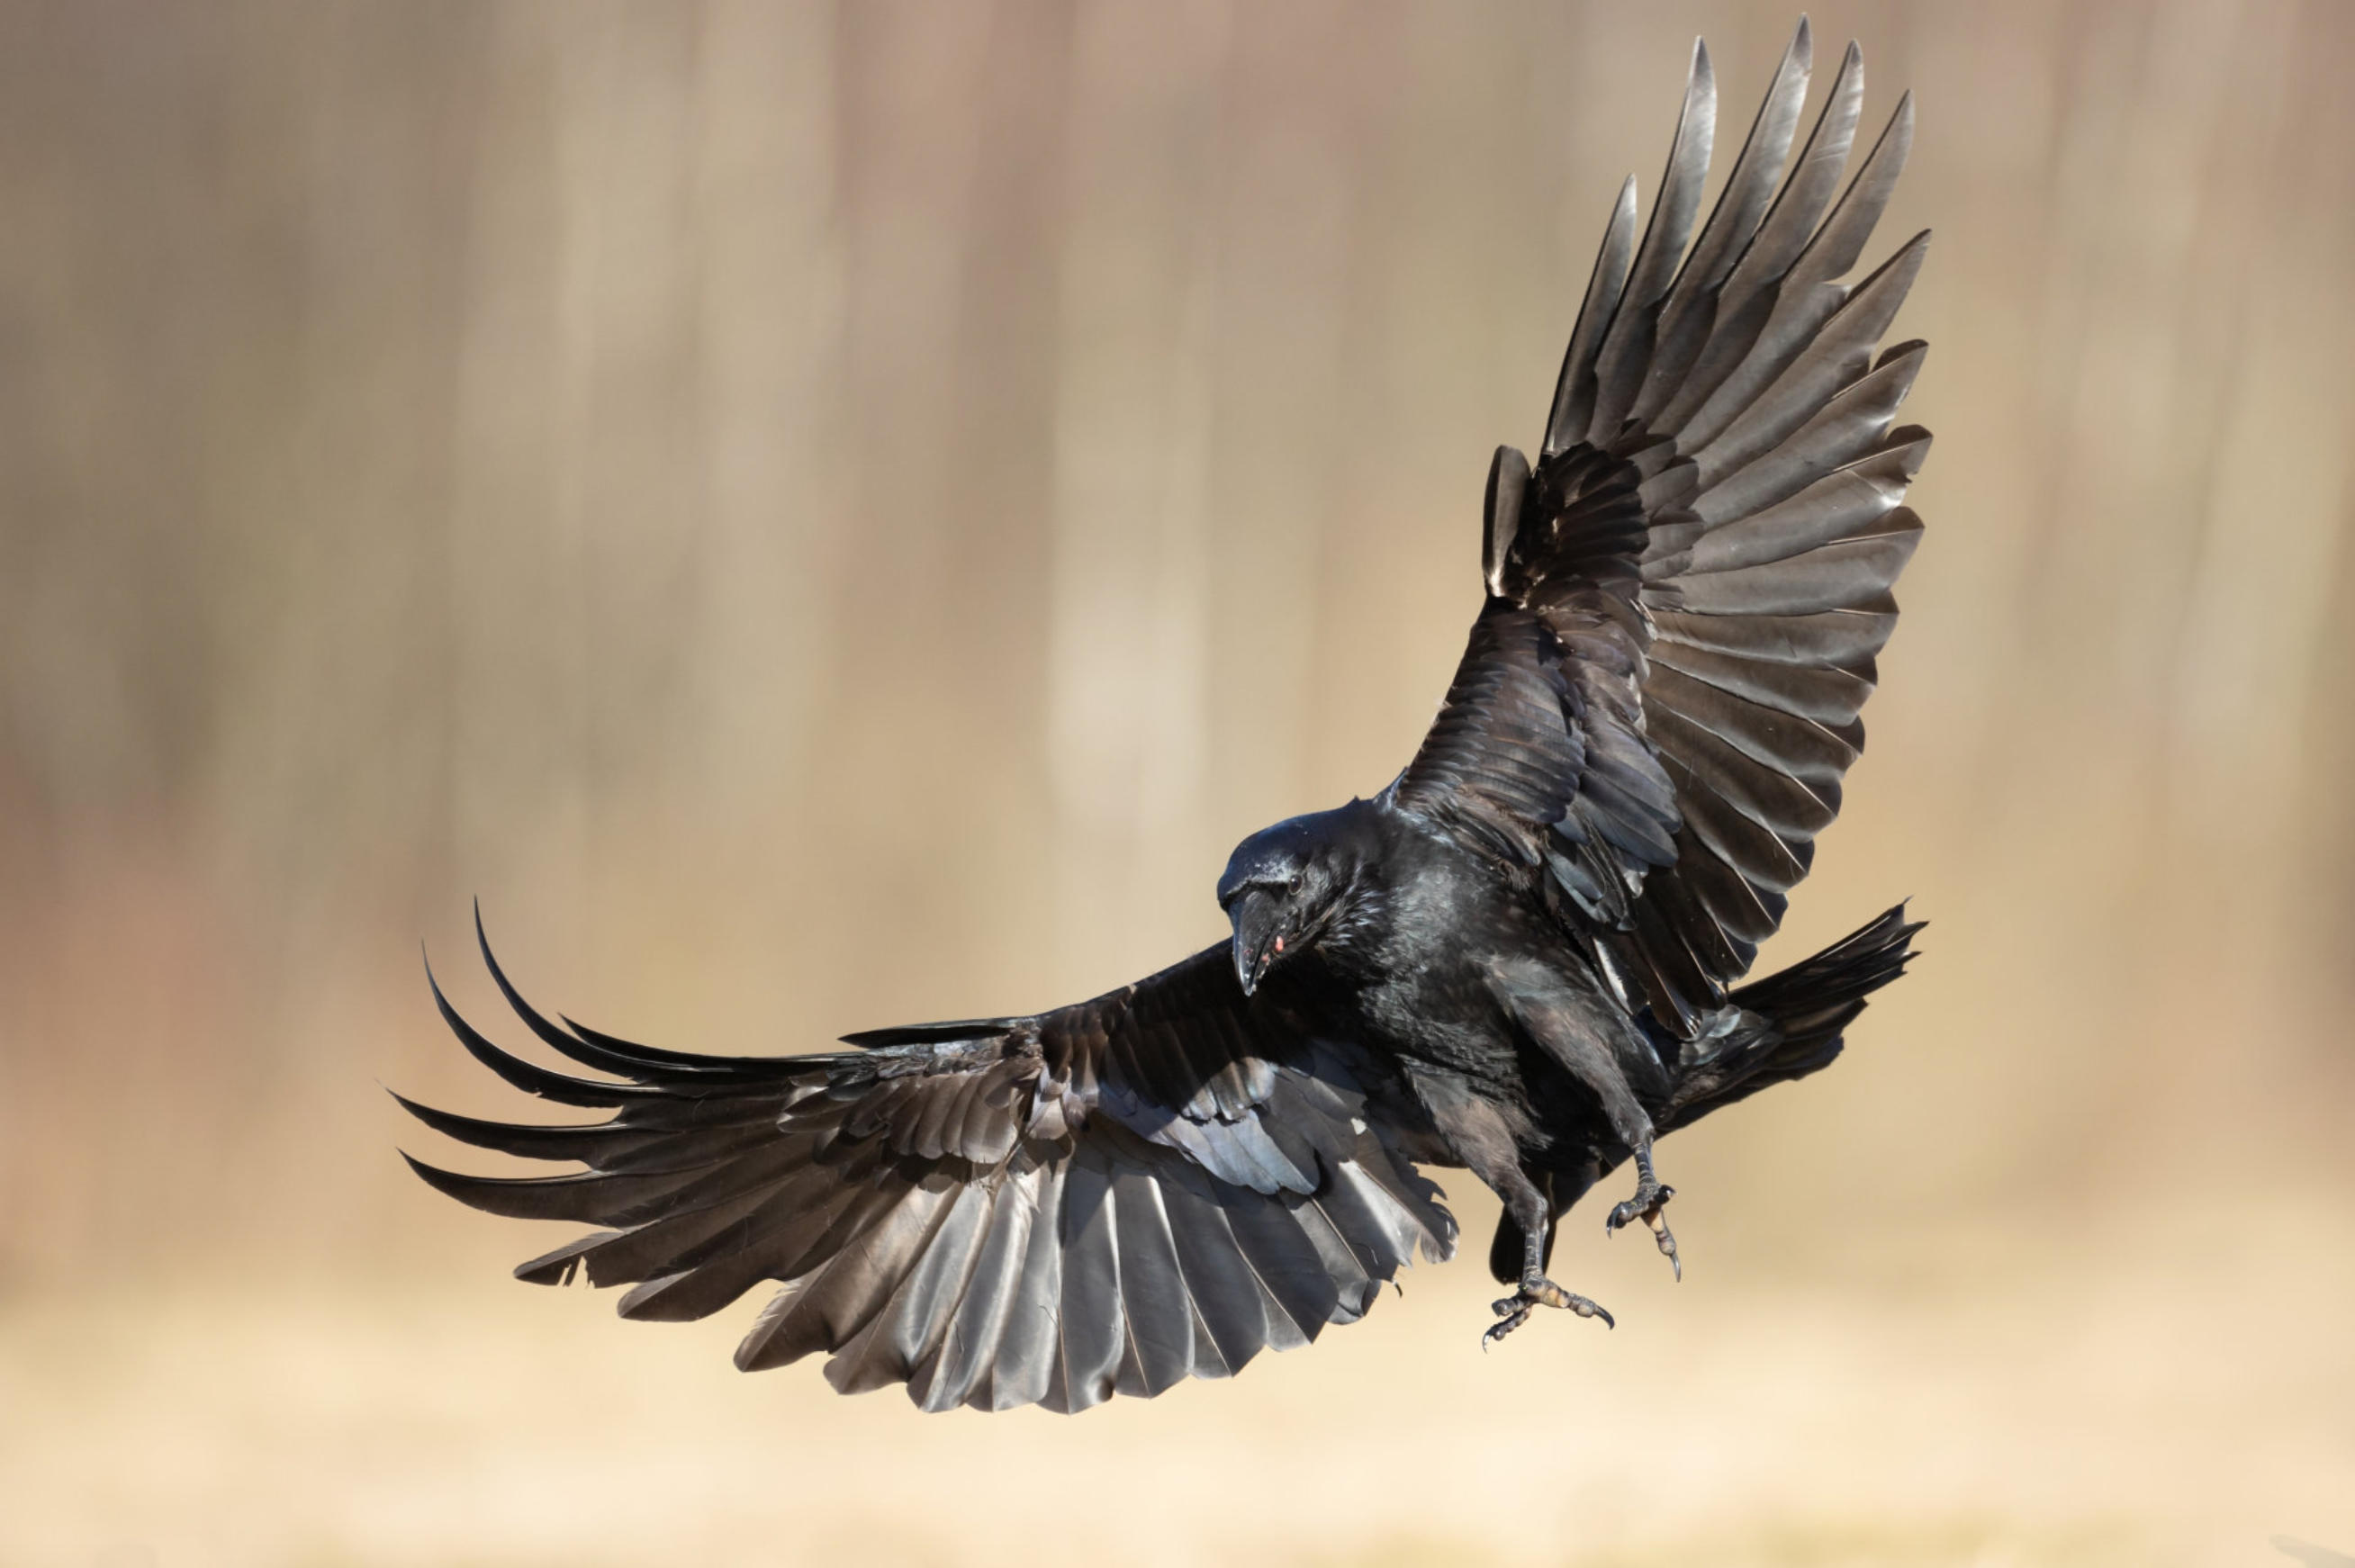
<point x="1539" y="1291"/>
<point x="1650" y="1198"/>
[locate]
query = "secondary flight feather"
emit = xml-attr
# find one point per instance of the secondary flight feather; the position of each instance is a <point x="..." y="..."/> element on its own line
<point x="1520" y="958"/>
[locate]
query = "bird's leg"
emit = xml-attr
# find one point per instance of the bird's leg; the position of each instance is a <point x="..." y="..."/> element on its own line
<point x="1651" y="1197"/>
<point x="1480" y="1133"/>
<point x="1530" y="1213"/>
<point x="1568" y="1028"/>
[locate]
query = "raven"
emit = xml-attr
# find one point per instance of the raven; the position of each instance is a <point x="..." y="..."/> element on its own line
<point x="1515" y="959"/>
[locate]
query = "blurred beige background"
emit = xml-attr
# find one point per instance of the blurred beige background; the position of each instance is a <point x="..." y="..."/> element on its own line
<point x="829" y="516"/>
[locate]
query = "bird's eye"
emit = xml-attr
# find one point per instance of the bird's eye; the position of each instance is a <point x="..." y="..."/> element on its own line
<point x="1294" y="884"/>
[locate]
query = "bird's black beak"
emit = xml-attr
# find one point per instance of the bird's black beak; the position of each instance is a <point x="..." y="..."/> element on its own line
<point x="1258" y="915"/>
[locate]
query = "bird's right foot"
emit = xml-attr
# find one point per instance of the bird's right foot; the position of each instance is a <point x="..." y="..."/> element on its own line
<point x="1539" y="1291"/>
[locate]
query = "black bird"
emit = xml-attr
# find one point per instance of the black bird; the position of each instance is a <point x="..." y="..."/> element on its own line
<point x="1515" y="959"/>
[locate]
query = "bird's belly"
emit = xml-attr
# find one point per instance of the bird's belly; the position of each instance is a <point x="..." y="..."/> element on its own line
<point x="1447" y="1022"/>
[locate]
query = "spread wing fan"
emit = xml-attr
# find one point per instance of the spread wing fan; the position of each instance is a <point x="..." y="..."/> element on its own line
<point x="1687" y="592"/>
<point x="1112" y="1197"/>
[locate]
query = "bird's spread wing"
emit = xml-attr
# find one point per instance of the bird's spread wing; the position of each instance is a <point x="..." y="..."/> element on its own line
<point x="1154" y="1185"/>
<point x="1687" y="592"/>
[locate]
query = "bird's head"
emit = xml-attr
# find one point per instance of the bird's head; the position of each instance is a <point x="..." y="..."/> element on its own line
<point x="1284" y="885"/>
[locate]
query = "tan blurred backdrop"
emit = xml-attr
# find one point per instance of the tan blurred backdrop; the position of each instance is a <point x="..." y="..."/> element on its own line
<point x="829" y="516"/>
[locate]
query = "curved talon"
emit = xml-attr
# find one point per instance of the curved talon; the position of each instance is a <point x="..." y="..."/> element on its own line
<point x="1664" y="1239"/>
<point x="1646" y="1206"/>
<point x="1520" y="1315"/>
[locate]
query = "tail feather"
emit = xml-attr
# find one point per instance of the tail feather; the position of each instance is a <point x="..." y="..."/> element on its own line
<point x="1806" y="1008"/>
<point x="1841" y="975"/>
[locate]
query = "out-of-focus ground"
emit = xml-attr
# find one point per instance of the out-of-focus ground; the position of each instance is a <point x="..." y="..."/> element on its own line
<point x="1943" y="1399"/>
<point x="1881" y="1409"/>
<point x="826" y="515"/>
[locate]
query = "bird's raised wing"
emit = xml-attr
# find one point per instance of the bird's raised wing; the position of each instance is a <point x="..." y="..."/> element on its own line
<point x="1154" y="1185"/>
<point x="1687" y="592"/>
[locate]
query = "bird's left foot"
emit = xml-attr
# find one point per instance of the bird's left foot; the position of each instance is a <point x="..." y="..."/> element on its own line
<point x="1651" y="1197"/>
<point x="1539" y="1291"/>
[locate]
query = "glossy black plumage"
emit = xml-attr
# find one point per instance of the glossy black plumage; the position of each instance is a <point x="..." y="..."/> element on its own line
<point x="1518" y="958"/>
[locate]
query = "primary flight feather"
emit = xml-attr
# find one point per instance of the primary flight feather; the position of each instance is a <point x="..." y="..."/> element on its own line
<point x="1520" y="958"/>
